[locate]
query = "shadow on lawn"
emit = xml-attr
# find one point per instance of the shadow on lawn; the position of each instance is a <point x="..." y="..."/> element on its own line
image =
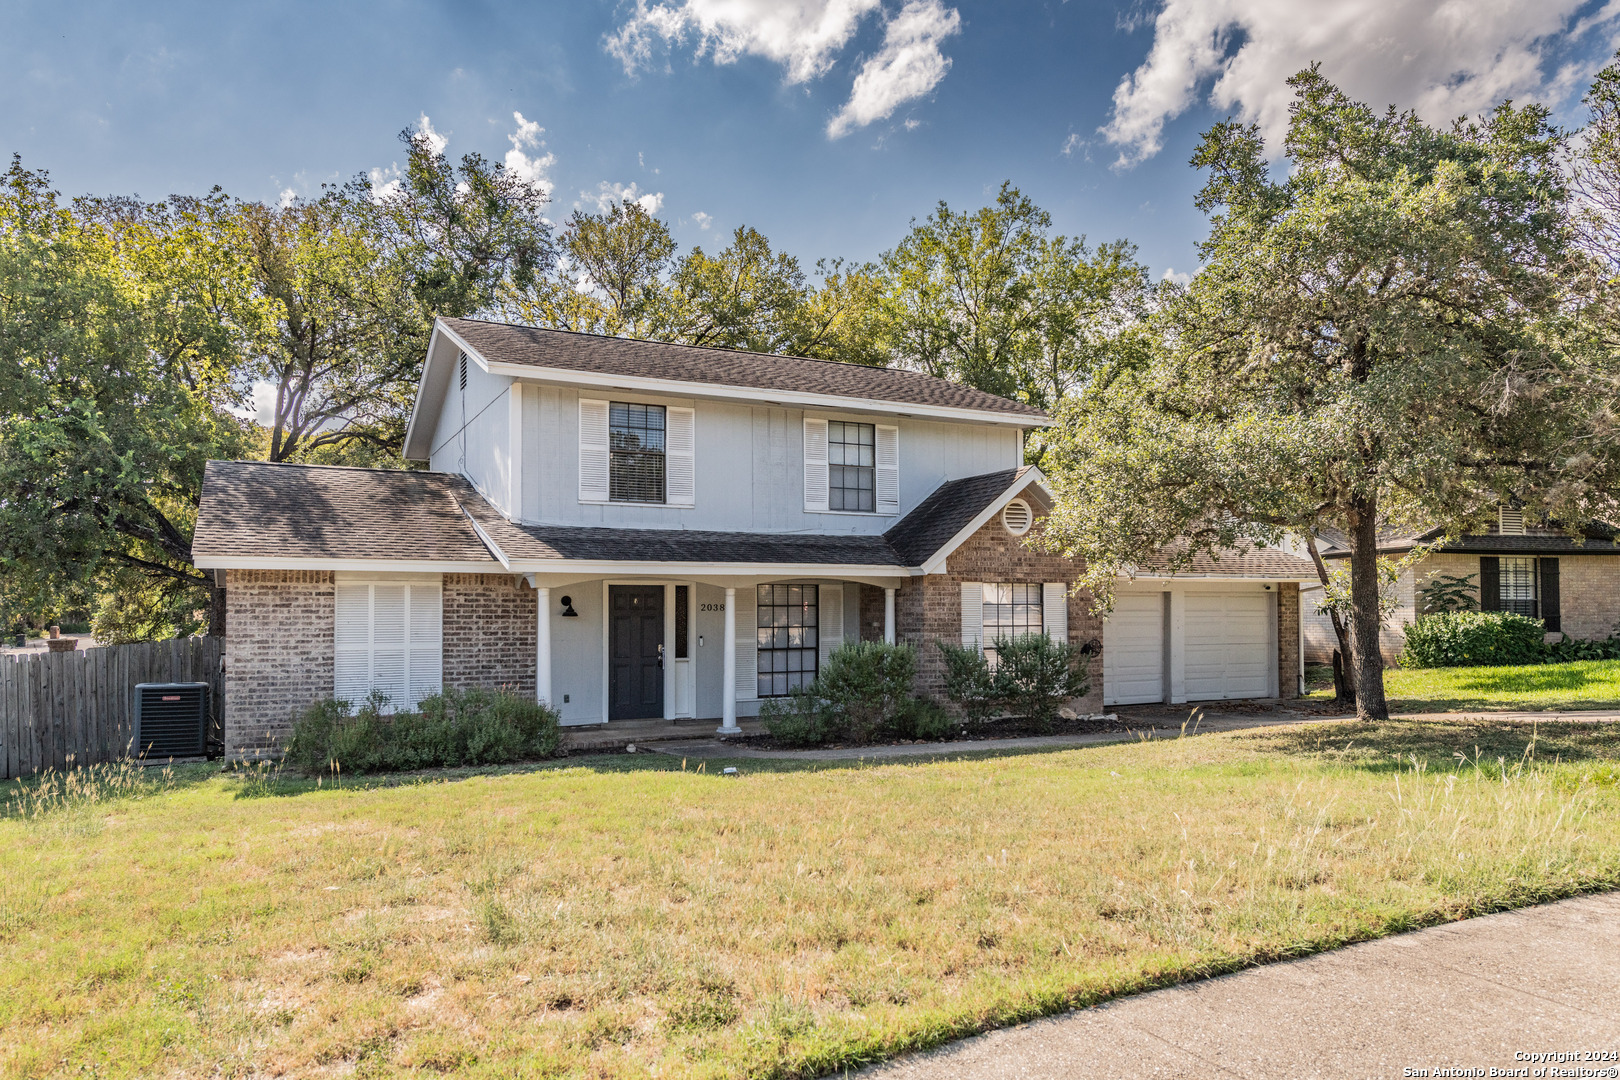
<point x="1390" y="746"/>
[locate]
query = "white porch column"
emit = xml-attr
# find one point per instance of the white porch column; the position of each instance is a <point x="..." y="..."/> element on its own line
<point x="542" y="647"/>
<point x="728" y="688"/>
<point x="888" y="616"/>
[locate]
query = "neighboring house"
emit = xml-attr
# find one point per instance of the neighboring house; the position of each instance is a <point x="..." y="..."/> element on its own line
<point x="1572" y="585"/>
<point x="637" y="530"/>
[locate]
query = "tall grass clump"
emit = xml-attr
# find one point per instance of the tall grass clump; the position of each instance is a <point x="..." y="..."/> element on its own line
<point x="449" y="729"/>
<point x="51" y="792"/>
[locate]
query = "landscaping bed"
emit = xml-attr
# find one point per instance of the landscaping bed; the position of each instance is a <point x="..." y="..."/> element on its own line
<point x="619" y="916"/>
<point x="1011" y="727"/>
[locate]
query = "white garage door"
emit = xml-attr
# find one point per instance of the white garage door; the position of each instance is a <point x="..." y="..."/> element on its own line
<point x="1228" y="645"/>
<point x="1133" y="651"/>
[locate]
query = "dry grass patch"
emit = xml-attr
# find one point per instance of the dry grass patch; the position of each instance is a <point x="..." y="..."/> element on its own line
<point x="611" y="917"/>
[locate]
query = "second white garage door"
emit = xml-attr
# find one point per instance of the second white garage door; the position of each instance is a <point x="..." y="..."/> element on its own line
<point x="1133" y="650"/>
<point x="1229" y="646"/>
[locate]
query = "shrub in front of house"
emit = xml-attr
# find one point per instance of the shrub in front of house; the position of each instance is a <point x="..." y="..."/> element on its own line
<point x="1033" y="676"/>
<point x="453" y="728"/>
<point x="863" y="692"/>
<point x="969" y="682"/>
<point x="1470" y="638"/>
<point x="1569" y="650"/>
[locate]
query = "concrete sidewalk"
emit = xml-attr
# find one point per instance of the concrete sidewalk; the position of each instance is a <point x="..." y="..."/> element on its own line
<point x="1467" y="995"/>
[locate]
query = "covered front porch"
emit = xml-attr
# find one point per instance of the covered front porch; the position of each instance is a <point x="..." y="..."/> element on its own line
<point x="700" y="651"/>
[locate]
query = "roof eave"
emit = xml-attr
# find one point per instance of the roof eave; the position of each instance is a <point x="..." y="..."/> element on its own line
<point x="935" y="563"/>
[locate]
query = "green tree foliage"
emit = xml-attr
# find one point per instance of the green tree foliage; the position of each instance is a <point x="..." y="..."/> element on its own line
<point x="118" y="355"/>
<point x="992" y="299"/>
<point x="334" y="322"/>
<point x="1374" y="337"/>
<point x="1449" y="592"/>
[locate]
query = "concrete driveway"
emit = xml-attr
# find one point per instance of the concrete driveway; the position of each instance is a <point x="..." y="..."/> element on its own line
<point x="1473" y="995"/>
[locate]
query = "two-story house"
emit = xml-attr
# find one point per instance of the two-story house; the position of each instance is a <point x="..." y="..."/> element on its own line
<point x="631" y="529"/>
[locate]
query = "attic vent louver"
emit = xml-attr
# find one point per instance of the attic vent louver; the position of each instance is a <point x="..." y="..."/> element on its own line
<point x="463" y="371"/>
<point x="1511" y="522"/>
<point x="1016" y="517"/>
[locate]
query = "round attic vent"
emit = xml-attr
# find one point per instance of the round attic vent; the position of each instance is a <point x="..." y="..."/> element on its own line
<point x="1017" y="518"/>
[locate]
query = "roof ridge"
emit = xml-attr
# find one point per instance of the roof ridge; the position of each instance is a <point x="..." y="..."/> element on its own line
<point x="885" y="368"/>
<point x="316" y="465"/>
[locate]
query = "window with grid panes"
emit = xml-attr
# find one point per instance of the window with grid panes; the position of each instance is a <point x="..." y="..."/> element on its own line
<point x="636" y="443"/>
<point x="787" y="638"/>
<point x="1517" y="585"/>
<point x="1010" y="611"/>
<point x="852" y="466"/>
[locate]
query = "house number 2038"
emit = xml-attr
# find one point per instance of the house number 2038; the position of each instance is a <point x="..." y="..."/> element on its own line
<point x="711" y="607"/>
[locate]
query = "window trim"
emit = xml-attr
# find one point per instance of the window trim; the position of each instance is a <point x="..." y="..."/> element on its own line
<point x="670" y="407"/>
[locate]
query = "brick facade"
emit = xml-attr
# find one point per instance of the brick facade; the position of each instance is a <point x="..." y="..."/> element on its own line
<point x="1288" y="639"/>
<point x="929" y="609"/>
<point x="278" y="654"/>
<point x="1588" y="589"/>
<point x="489" y="632"/>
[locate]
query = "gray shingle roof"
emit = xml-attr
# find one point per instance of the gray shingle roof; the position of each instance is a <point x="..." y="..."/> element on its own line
<point x="258" y="509"/>
<point x="949" y="509"/>
<point x="1241" y="562"/>
<point x="568" y="351"/>
<point x="1598" y="539"/>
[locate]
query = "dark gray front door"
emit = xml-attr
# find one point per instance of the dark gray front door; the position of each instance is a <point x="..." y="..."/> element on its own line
<point x="636" y="651"/>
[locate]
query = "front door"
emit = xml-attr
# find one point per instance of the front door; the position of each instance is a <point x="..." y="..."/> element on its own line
<point x="636" y="649"/>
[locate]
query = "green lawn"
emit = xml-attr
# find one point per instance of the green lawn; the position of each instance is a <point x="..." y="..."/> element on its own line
<point x="618" y="916"/>
<point x="1584" y="684"/>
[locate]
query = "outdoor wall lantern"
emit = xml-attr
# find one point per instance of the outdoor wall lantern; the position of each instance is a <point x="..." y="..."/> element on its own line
<point x="568" y="608"/>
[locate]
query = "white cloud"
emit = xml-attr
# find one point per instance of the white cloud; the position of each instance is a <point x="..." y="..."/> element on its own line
<point x="1180" y="277"/>
<point x="385" y="183"/>
<point x="607" y="196"/>
<point x="908" y="66"/>
<point x="1446" y="58"/>
<point x="287" y="197"/>
<point x="524" y="159"/>
<point x="260" y="406"/>
<point x="1072" y="143"/>
<point x="805" y="37"/>
<point x="703" y="220"/>
<point x="435" y="140"/>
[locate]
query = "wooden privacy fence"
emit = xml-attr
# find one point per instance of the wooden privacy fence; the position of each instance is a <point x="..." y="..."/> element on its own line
<point x="54" y="706"/>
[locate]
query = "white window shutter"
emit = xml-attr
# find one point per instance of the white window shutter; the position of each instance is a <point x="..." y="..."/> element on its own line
<point x="388" y="648"/>
<point x="888" y="470"/>
<point x="425" y="659"/>
<point x="815" y="464"/>
<point x="747" y="644"/>
<point x="593" y="450"/>
<point x="1055" y="610"/>
<point x="830" y="618"/>
<point x="680" y="461"/>
<point x="972" y="613"/>
<point x="351" y="643"/>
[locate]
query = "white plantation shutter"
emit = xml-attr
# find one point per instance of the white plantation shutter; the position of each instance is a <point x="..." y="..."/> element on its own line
<point x="1055" y="610"/>
<point x="351" y="643"/>
<point x="388" y="644"/>
<point x="747" y="643"/>
<point x="815" y="464"/>
<point x="888" y="470"/>
<point x="830" y="618"/>
<point x="593" y="450"/>
<point x="388" y="637"/>
<point x="680" y="441"/>
<point x="425" y="659"/>
<point x="972" y="613"/>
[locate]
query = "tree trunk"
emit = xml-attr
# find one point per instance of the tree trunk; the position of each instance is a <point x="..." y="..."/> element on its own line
<point x="1344" y="690"/>
<point x="1367" y="659"/>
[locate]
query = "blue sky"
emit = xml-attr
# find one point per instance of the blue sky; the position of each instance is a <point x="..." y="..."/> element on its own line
<point x="827" y="124"/>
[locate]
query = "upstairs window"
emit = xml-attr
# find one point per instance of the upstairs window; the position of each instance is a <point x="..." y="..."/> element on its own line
<point x="852" y="465"/>
<point x="636" y="443"/>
